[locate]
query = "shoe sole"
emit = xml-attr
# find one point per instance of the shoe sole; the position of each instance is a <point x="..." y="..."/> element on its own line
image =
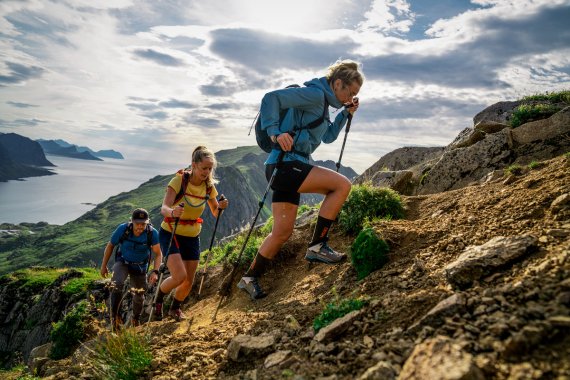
<point x="317" y="260"/>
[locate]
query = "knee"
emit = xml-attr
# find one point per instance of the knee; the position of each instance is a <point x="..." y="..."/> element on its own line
<point x="344" y="186"/>
<point x="282" y="235"/>
<point x="178" y="280"/>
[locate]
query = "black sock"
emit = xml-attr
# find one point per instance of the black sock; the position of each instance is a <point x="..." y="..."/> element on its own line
<point x="160" y="296"/>
<point x="175" y="304"/>
<point x="258" y="266"/>
<point x="321" y="230"/>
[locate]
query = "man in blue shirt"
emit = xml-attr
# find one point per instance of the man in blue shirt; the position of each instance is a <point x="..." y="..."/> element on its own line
<point x="134" y="241"/>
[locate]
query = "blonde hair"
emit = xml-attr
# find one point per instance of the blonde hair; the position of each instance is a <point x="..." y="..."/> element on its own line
<point x="198" y="155"/>
<point x="346" y="70"/>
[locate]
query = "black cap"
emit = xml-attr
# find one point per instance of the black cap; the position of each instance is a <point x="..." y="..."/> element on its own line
<point x="140" y="215"/>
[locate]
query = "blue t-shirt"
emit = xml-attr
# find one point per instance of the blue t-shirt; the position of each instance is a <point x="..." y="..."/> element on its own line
<point x="134" y="248"/>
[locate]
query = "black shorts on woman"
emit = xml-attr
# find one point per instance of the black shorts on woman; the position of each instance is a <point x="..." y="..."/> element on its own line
<point x="288" y="179"/>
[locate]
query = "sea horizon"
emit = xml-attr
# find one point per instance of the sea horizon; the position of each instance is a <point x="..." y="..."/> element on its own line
<point x="76" y="188"/>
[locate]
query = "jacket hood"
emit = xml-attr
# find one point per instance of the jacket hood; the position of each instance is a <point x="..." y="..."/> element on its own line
<point x="323" y="84"/>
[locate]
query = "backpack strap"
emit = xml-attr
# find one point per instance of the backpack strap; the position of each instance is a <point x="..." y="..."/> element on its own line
<point x="184" y="184"/>
<point x="311" y="125"/>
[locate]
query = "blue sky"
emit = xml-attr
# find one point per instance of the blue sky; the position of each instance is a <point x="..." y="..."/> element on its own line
<point x="153" y="79"/>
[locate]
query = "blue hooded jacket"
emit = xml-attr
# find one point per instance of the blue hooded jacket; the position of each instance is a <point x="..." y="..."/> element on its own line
<point x="305" y="105"/>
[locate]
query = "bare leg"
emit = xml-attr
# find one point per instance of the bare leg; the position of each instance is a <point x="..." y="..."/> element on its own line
<point x="177" y="274"/>
<point x="184" y="288"/>
<point x="284" y="215"/>
<point x="334" y="186"/>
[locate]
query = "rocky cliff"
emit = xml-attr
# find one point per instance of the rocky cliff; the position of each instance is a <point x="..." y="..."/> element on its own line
<point x="21" y="157"/>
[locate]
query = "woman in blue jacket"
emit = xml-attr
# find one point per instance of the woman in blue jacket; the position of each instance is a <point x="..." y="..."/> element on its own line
<point x="295" y="175"/>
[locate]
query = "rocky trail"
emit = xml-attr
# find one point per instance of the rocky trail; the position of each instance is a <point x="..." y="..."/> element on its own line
<point x="477" y="287"/>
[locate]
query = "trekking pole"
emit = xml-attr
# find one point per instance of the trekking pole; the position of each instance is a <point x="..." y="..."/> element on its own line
<point x="163" y="267"/>
<point x="225" y="288"/>
<point x="210" y="249"/>
<point x="344" y="141"/>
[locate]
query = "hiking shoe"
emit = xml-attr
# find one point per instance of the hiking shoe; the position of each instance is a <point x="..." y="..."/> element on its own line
<point x="175" y="314"/>
<point x="251" y="286"/>
<point x="158" y="311"/>
<point x="321" y="252"/>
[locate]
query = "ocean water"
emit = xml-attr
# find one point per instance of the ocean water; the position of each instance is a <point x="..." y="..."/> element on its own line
<point x="78" y="187"/>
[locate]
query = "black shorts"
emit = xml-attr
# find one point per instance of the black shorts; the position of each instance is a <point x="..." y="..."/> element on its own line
<point x="186" y="246"/>
<point x="290" y="176"/>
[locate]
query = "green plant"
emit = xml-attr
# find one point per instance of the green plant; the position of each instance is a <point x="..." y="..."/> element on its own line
<point x="553" y="97"/>
<point x="81" y="284"/>
<point x="366" y="202"/>
<point x="368" y="252"/>
<point x="67" y="333"/>
<point x="529" y="112"/>
<point x="230" y="251"/>
<point x="534" y="165"/>
<point x="514" y="170"/>
<point x="303" y="209"/>
<point x="267" y="227"/>
<point x="336" y="309"/>
<point x="123" y="356"/>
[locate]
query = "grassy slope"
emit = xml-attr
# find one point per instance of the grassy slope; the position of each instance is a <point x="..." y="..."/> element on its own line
<point x="81" y="242"/>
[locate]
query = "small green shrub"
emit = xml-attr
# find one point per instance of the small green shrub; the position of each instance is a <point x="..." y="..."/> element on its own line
<point x="336" y="309"/>
<point x="368" y="252"/>
<point x="267" y="227"/>
<point x="81" y="284"/>
<point x="529" y="112"/>
<point x="534" y="165"/>
<point x="366" y="202"/>
<point x="123" y="356"/>
<point x="514" y="170"/>
<point x="553" y="97"/>
<point x="303" y="209"/>
<point x="67" y="333"/>
<point x="230" y="251"/>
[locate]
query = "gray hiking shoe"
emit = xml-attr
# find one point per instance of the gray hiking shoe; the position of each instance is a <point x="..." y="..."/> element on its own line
<point x="321" y="252"/>
<point x="251" y="286"/>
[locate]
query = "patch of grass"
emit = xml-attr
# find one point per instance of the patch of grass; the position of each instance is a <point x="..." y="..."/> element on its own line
<point x="514" y="170"/>
<point x="553" y="97"/>
<point x="530" y="112"/>
<point x="34" y="279"/>
<point x="567" y="154"/>
<point x="67" y="333"/>
<point x="368" y="252"/>
<point x="336" y="309"/>
<point x="534" y="165"/>
<point x="366" y="202"/>
<point x="81" y="284"/>
<point x="230" y="251"/>
<point x="123" y="356"/>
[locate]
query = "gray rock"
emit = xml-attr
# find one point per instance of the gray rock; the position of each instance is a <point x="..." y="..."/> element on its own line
<point x="499" y="112"/>
<point x="243" y="346"/>
<point x="440" y="358"/>
<point x="381" y="371"/>
<point x="276" y="358"/>
<point x="479" y="261"/>
<point x="556" y="125"/>
<point x="338" y="327"/>
<point x="454" y="304"/>
<point x="490" y="126"/>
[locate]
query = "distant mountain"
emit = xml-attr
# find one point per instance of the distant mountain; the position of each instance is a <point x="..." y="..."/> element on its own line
<point x="21" y="157"/>
<point x="55" y="148"/>
<point x="52" y="147"/>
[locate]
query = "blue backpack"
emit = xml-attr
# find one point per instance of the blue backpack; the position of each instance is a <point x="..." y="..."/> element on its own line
<point x="141" y="267"/>
<point x="263" y="139"/>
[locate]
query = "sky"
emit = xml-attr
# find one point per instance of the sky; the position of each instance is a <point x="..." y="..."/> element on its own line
<point x="155" y="78"/>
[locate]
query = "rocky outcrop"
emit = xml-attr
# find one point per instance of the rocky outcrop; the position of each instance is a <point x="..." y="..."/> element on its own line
<point x="491" y="144"/>
<point x="27" y="314"/>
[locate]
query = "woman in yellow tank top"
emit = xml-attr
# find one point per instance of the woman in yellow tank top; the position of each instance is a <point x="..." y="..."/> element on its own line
<point x="186" y="206"/>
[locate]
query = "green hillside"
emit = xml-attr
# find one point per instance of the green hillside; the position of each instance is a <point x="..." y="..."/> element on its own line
<point x="82" y="241"/>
